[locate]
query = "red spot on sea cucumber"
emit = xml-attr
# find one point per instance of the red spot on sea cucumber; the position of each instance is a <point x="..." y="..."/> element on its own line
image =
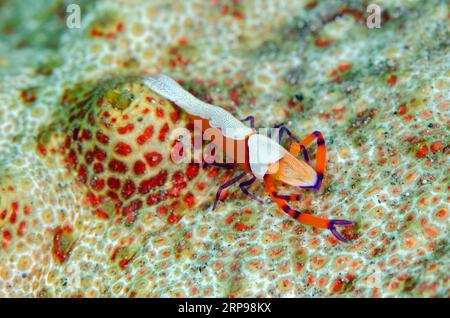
<point x="67" y="142"/>
<point x="3" y="214"/>
<point x="173" y="218"/>
<point x="113" y="183"/>
<point x="163" y="132"/>
<point x="162" y="210"/>
<point x="130" y="211"/>
<point x="99" y="154"/>
<point x="13" y="217"/>
<point x="21" y="228"/>
<point x="155" y="198"/>
<point x="213" y="172"/>
<point x="82" y="174"/>
<point x="102" y="138"/>
<point x="178" y="178"/>
<point x="93" y="200"/>
<point x="71" y="159"/>
<point x="240" y="226"/>
<point x="153" y="158"/>
<point x="98" y="167"/>
<point x="101" y="214"/>
<point x="113" y="196"/>
<point x="125" y="129"/>
<point x="117" y="166"/>
<point x="86" y="134"/>
<point x="146" y="135"/>
<point x="189" y="199"/>
<point x="97" y="184"/>
<point x="192" y="170"/>
<point x="178" y="184"/>
<point x="159" y="112"/>
<point x="89" y="156"/>
<point x="122" y="149"/>
<point x="158" y="180"/>
<point x="128" y="189"/>
<point x="174" y="116"/>
<point x="7" y="238"/>
<point x="139" y="167"/>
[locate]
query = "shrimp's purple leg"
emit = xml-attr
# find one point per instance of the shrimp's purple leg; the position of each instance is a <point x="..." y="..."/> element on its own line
<point x="320" y="156"/>
<point x="282" y="130"/>
<point x="250" y="119"/>
<point x="226" y="185"/>
<point x="332" y="227"/>
<point x="244" y="187"/>
<point x="220" y="165"/>
<point x="288" y="197"/>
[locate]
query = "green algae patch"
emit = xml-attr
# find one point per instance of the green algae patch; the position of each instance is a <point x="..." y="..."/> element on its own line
<point x="117" y="100"/>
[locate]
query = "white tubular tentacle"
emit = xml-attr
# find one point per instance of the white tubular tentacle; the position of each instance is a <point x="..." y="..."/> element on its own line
<point x="229" y="125"/>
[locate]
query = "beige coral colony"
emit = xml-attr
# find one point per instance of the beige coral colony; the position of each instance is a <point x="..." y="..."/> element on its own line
<point x="224" y="149"/>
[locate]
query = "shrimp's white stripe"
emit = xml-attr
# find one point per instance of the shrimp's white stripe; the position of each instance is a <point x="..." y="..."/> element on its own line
<point x="229" y="125"/>
<point x="263" y="151"/>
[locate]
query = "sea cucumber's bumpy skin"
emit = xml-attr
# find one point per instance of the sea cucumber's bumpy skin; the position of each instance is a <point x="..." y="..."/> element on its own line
<point x="380" y="96"/>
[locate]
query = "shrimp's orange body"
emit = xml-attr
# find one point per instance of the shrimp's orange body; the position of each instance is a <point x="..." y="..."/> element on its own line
<point x="257" y="155"/>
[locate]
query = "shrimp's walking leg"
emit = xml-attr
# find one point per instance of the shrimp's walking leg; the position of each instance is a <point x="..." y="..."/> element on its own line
<point x="282" y="130"/>
<point x="226" y="185"/>
<point x="220" y="165"/>
<point x="244" y="187"/>
<point x="321" y="155"/>
<point x="288" y="197"/>
<point x="304" y="217"/>
<point x="250" y="119"/>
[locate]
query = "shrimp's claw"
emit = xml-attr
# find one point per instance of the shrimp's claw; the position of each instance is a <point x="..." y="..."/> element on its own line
<point x="332" y="227"/>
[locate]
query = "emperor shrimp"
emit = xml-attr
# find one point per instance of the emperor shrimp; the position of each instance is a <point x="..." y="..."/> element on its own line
<point x="264" y="159"/>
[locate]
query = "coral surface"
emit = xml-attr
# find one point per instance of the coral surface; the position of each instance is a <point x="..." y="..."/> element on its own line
<point x="91" y="204"/>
